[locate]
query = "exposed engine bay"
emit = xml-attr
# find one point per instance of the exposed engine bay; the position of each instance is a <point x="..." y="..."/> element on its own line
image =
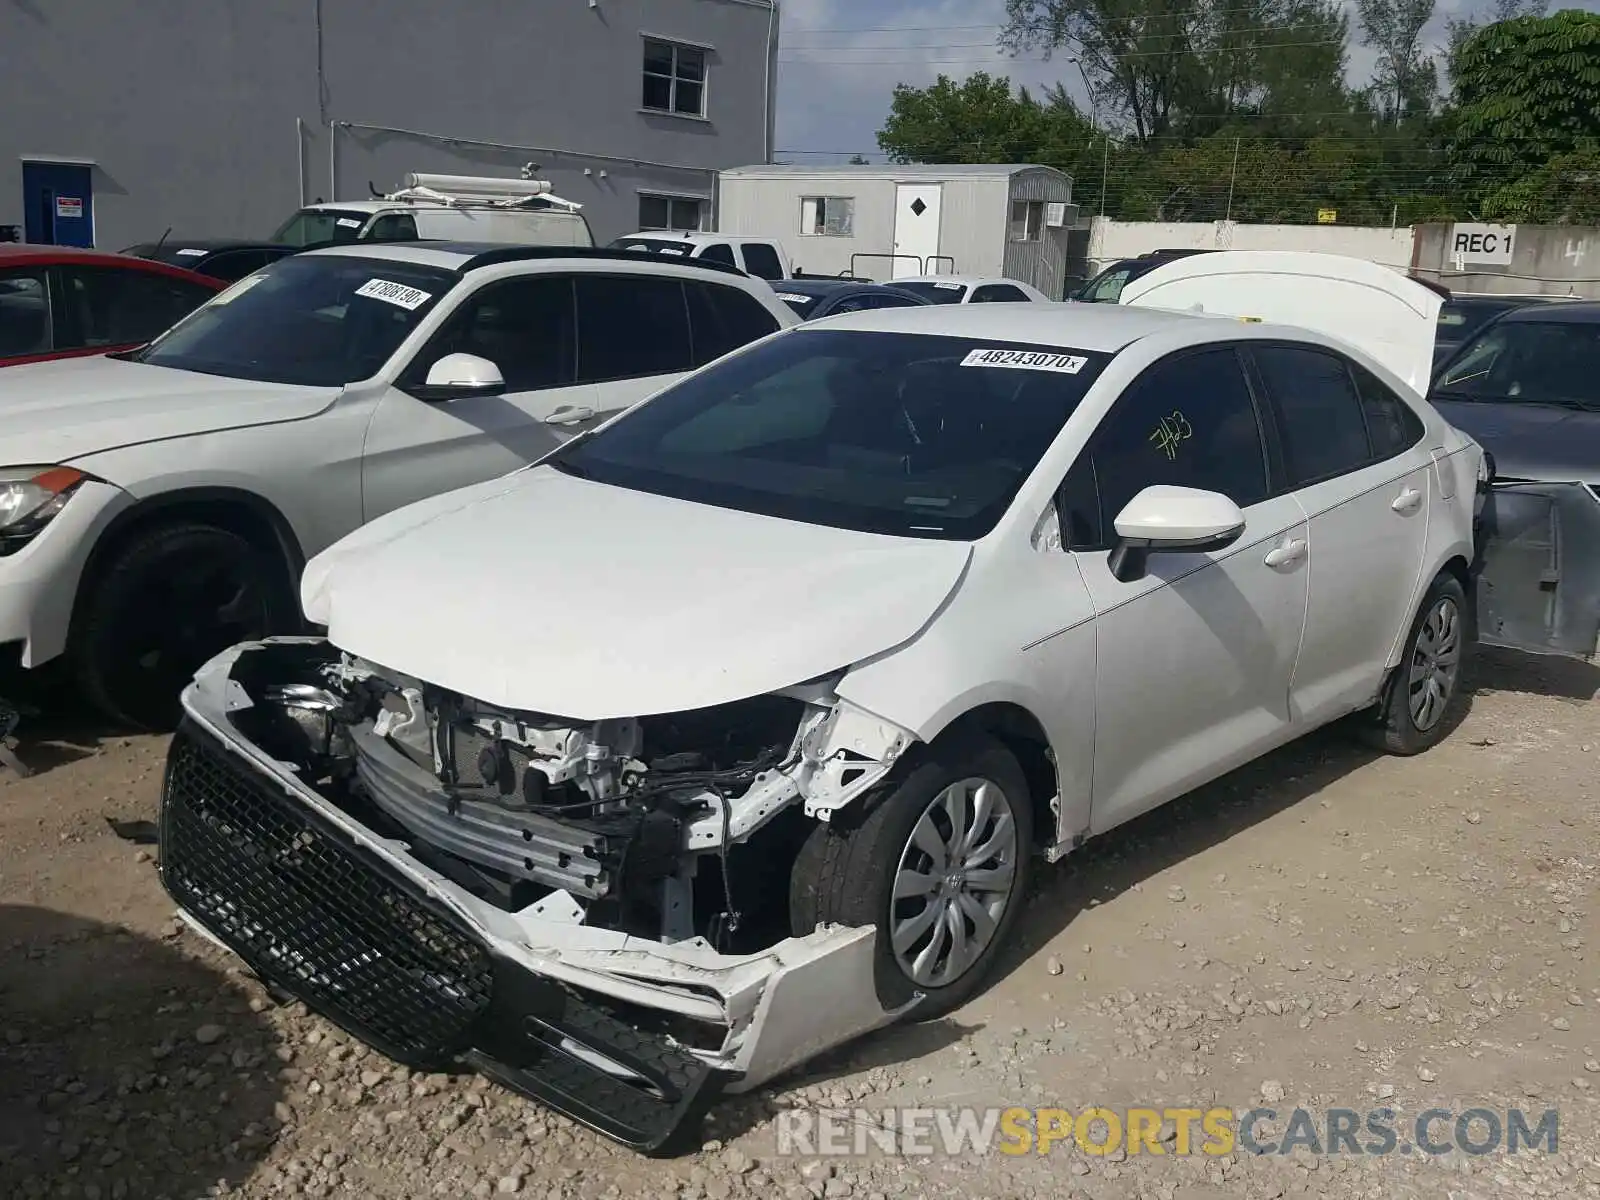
<point x="673" y="826"/>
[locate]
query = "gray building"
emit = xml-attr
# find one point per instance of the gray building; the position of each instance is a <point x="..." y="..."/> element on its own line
<point x="219" y="118"/>
<point x="894" y="221"/>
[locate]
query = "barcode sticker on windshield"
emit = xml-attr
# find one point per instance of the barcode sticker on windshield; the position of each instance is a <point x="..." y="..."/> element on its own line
<point x="408" y="298"/>
<point x="1026" y="360"/>
<point x="192" y="253"/>
<point x="949" y="287"/>
<point x="348" y="223"/>
<point x="793" y="298"/>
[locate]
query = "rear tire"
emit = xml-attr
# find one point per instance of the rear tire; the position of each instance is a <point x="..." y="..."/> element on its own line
<point x="1423" y="698"/>
<point x="167" y="602"/>
<point x="941" y="860"/>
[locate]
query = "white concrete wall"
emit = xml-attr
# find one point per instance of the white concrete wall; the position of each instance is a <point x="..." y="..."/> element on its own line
<point x="1110" y="240"/>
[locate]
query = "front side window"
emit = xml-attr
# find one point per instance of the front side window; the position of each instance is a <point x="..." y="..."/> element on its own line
<point x="1527" y="362"/>
<point x="999" y="293"/>
<point x="1324" y="430"/>
<point x="719" y="252"/>
<point x="24" y="314"/>
<point x="111" y="307"/>
<point x="1188" y="421"/>
<point x="1106" y="288"/>
<point x="904" y="434"/>
<point x="526" y="327"/>
<point x="1027" y="220"/>
<point x="320" y="226"/>
<point x="393" y="227"/>
<point x="723" y="318"/>
<point x="761" y="261"/>
<point x="320" y="320"/>
<point x="827" y="216"/>
<point x="674" y="78"/>
<point x="679" y="214"/>
<point x="630" y="326"/>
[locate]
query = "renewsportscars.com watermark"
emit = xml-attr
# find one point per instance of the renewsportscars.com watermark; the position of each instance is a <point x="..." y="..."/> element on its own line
<point x="822" y="1132"/>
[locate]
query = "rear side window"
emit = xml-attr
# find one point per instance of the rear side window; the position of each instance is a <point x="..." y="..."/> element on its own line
<point x="631" y="325"/>
<point x="1392" y="424"/>
<point x="722" y="319"/>
<point x="1324" y="432"/>
<point x="762" y="261"/>
<point x="1187" y="421"/>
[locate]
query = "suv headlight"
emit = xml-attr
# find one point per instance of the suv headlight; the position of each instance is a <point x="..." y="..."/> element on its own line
<point x="30" y="497"/>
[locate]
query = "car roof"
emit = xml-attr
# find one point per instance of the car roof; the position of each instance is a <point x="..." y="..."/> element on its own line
<point x="210" y="245"/>
<point x="36" y="252"/>
<point x="824" y="287"/>
<point x="968" y="280"/>
<point x="694" y="239"/>
<point x="469" y="256"/>
<point x="1105" y="328"/>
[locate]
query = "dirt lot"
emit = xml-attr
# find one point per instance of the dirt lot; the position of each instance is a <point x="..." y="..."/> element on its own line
<point x="1323" y="929"/>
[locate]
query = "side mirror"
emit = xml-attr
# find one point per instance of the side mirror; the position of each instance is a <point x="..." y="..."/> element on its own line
<point x="456" y="376"/>
<point x="1167" y="519"/>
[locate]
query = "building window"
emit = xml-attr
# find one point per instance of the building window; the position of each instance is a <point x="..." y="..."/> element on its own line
<point x="674" y="78"/>
<point x="680" y="214"/>
<point x="827" y="216"/>
<point x="1027" y="220"/>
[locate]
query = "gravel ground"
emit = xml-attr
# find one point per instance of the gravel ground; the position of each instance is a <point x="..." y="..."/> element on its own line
<point x="1323" y="928"/>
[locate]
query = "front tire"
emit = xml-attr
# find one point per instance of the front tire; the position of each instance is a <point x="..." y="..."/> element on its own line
<point x="167" y="602"/>
<point x="1422" y="701"/>
<point x="939" y="866"/>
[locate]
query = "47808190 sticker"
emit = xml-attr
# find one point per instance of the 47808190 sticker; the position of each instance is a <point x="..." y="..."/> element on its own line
<point x="408" y="298"/>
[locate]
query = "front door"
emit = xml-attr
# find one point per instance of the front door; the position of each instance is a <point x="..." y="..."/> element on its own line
<point x="58" y="204"/>
<point x="916" y="227"/>
<point x="1539" y="562"/>
<point x="1192" y="662"/>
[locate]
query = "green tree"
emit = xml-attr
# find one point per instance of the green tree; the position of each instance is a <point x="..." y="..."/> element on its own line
<point x="978" y="120"/>
<point x="1526" y="93"/>
<point x="1158" y="65"/>
<point x="1406" y="81"/>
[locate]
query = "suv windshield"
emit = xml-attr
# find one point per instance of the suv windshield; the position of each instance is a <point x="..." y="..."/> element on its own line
<point x="322" y="320"/>
<point x="320" y="226"/>
<point x="1531" y="362"/>
<point x="897" y="433"/>
<point x="933" y="293"/>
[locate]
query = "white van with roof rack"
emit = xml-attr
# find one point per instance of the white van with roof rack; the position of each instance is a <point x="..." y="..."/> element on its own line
<point x="761" y="257"/>
<point x="449" y="208"/>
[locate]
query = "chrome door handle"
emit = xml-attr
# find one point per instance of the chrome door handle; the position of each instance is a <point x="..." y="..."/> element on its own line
<point x="569" y="414"/>
<point x="1290" y="552"/>
<point x="1407" y="501"/>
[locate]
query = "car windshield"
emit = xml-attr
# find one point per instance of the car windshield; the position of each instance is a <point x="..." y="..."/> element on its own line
<point x="932" y="292"/>
<point x="1528" y="362"/>
<point x="320" y="226"/>
<point x="798" y="301"/>
<point x="322" y="320"/>
<point x="898" y="433"/>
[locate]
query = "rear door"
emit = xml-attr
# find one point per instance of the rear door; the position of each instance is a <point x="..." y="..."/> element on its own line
<point x="1539" y="568"/>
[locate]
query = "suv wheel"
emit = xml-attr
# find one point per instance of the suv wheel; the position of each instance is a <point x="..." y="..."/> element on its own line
<point x="166" y="603"/>
<point x="939" y="865"/>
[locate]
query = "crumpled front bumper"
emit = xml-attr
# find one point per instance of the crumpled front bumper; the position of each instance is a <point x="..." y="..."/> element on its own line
<point x="629" y="1036"/>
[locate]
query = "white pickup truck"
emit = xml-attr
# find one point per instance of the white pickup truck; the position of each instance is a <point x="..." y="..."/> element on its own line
<point x="761" y="257"/>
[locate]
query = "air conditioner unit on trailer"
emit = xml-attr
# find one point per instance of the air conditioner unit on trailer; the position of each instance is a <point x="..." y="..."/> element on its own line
<point x="1059" y="215"/>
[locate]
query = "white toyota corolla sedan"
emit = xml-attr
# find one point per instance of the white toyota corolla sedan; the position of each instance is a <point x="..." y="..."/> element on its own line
<point x="729" y="731"/>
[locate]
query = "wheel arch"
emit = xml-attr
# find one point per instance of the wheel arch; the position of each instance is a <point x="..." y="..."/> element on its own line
<point x="236" y="510"/>
<point x="1021" y="732"/>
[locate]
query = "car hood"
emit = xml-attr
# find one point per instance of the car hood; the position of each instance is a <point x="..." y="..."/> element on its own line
<point x="1531" y="441"/>
<point x="550" y="594"/>
<point x="55" y="412"/>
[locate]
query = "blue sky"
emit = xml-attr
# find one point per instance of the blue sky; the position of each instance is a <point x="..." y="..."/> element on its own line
<point x="838" y="62"/>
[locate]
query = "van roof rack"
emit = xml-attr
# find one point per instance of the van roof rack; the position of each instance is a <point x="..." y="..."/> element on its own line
<point x="481" y="257"/>
<point x="495" y="192"/>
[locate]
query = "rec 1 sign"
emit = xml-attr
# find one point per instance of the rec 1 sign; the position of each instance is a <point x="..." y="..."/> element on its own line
<point x="1491" y="244"/>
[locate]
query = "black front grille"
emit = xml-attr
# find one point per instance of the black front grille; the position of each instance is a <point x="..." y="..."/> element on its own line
<point x="313" y="912"/>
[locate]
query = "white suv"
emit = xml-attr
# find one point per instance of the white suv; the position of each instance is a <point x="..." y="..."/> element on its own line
<point x="157" y="506"/>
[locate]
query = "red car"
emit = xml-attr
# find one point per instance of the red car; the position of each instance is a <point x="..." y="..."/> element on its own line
<point x="59" y="302"/>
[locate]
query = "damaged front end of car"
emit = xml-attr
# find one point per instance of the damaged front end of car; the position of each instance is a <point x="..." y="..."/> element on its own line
<point x="595" y="913"/>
